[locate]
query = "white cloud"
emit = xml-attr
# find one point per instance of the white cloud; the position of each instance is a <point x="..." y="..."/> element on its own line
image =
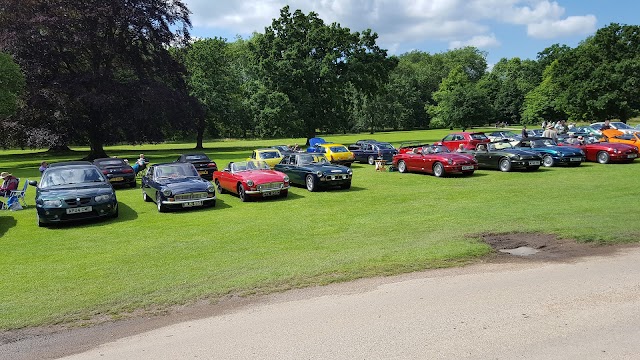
<point x="572" y="25"/>
<point x="480" y="41"/>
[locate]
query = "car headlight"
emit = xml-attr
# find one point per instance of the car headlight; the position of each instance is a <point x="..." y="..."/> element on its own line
<point x="166" y="192"/>
<point x="250" y="183"/>
<point x="211" y="188"/>
<point x="615" y="151"/>
<point x="101" y="198"/>
<point x="518" y="157"/>
<point x="286" y="178"/>
<point x="349" y="172"/>
<point x="319" y="173"/>
<point x="52" y="203"/>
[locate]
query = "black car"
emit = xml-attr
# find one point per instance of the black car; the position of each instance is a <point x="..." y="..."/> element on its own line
<point x="360" y="143"/>
<point x="370" y="151"/>
<point x="503" y="156"/>
<point x="177" y="185"/>
<point x="314" y="171"/>
<point x="72" y="191"/>
<point x="202" y="163"/>
<point x="117" y="171"/>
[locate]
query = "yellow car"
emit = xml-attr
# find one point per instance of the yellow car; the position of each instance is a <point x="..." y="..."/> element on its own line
<point x="618" y="136"/>
<point x="335" y="153"/>
<point x="270" y="156"/>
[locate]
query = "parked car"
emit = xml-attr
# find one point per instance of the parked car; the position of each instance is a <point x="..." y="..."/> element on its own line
<point x="251" y="179"/>
<point x="335" y="153"/>
<point x="314" y="171"/>
<point x="469" y="139"/>
<point x="117" y="171"/>
<point x="360" y="143"/>
<point x="436" y="160"/>
<point x="71" y="191"/>
<point x="408" y="146"/>
<point x="503" y="156"/>
<point x="619" y="137"/>
<point x="617" y="125"/>
<point x="269" y="156"/>
<point x="176" y="185"/>
<point x="502" y="135"/>
<point x="284" y="149"/>
<point x="201" y="162"/>
<point x="607" y="152"/>
<point x="552" y="154"/>
<point x="369" y="152"/>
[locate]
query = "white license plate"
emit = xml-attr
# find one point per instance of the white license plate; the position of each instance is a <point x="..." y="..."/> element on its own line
<point x="116" y="179"/>
<point x="575" y="159"/>
<point x="632" y="156"/>
<point x="192" y="204"/>
<point x="202" y="172"/>
<point x="79" y="210"/>
<point x="271" y="193"/>
<point x="533" y="163"/>
<point x="467" y="167"/>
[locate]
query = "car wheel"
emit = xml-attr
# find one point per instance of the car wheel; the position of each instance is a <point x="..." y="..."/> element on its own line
<point x="133" y="184"/>
<point x="603" y="157"/>
<point x="161" y="208"/>
<point x="40" y="223"/>
<point x="145" y="197"/>
<point x="505" y="165"/>
<point x="115" y="214"/>
<point x="371" y="160"/>
<point x="242" y="194"/>
<point x="438" y="169"/>
<point x="219" y="187"/>
<point x="547" y="161"/>
<point x="310" y="181"/>
<point x="284" y="193"/>
<point x="346" y="186"/>
<point x="402" y="166"/>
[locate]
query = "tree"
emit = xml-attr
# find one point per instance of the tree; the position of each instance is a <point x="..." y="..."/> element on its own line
<point x="11" y="85"/>
<point x="99" y="72"/>
<point x="541" y="104"/>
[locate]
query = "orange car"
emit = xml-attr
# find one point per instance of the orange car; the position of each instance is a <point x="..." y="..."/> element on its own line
<point x="618" y="136"/>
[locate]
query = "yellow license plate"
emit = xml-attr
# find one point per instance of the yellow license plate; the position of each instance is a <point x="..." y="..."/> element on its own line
<point x="202" y="172"/>
<point x="116" y="179"/>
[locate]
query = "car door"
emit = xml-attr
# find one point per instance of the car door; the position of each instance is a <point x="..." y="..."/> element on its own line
<point x="483" y="158"/>
<point x="451" y="141"/>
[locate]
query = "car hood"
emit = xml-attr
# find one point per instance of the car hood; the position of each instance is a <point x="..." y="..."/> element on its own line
<point x="556" y="149"/>
<point x="261" y="175"/>
<point x="520" y="152"/>
<point x="75" y="190"/>
<point x="185" y="184"/>
<point x="612" y="133"/>
<point x="327" y="168"/>
<point x="456" y="157"/>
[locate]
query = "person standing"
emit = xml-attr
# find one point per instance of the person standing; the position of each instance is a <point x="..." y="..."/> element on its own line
<point x="43" y="167"/>
<point x="550" y="133"/>
<point x="524" y="132"/>
<point x="606" y="126"/>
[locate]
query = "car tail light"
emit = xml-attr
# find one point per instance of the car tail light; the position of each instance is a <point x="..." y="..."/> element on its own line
<point x="105" y="172"/>
<point x="127" y="171"/>
<point x="211" y="164"/>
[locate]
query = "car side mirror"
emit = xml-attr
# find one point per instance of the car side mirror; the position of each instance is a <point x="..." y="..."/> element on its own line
<point x="33" y="183"/>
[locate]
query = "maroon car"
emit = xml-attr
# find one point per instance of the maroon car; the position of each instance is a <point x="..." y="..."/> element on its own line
<point x="469" y="139"/>
<point x="606" y="152"/>
<point x="436" y="160"/>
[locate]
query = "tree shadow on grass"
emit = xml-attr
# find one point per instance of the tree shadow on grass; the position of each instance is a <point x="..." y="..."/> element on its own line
<point x="6" y="221"/>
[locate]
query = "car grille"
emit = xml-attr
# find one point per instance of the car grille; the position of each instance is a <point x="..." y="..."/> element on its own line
<point x="191" y="196"/>
<point x="270" y="186"/>
<point x="78" y="202"/>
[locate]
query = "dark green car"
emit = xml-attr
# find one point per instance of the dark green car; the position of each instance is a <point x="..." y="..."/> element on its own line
<point x="314" y="171"/>
<point x="501" y="155"/>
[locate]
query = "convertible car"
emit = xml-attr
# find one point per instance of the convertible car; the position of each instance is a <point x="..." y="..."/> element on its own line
<point x="551" y="153"/>
<point x="202" y="163"/>
<point x="335" y="153"/>
<point x="73" y="191"/>
<point x="314" y="171"/>
<point x="436" y="160"/>
<point x="251" y="179"/>
<point x="177" y="185"/>
<point x="606" y="152"/>
<point x="408" y="146"/>
<point x="117" y="171"/>
<point x="503" y="156"/>
<point x="618" y="136"/>
<point x="270" y="156"/>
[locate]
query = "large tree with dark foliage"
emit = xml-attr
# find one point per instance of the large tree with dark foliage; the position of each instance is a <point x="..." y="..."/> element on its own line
<point x="97" y="71"/>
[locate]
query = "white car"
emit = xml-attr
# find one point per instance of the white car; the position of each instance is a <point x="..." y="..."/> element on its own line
<point x="618" y="125"/>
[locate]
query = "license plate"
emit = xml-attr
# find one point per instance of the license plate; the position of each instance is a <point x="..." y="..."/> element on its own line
<point x="202" y="172"/>
<point x="632" y="156"/>
<point x="575" y="159"/>
<point x="116" y="179"/>
<point x="532" y="163"/>
<point x="271" y="193"/>
<point x="192" y="204"/>
<point x="467" y="167"/>
<point x="79" y="210"/>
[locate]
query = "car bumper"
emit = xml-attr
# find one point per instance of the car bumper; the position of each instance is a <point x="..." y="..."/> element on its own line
<point x="170" y="202"/>
<point x="122" y="179"/>
<point x="58" y="215"/>
<point x="327" y="181"/>
<point x="266" y="192"/>
<point x="460" y="169"/>
<point x="525" y="163"/>
<point x="565" y="160"/>
<point x="622" y="157"/>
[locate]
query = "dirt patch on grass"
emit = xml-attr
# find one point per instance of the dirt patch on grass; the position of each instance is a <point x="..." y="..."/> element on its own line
<point x="544" y="247"/>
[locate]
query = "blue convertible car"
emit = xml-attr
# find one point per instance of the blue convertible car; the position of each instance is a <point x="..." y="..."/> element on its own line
<point x="314" y="171"/>
<point x="551" y="153"/>
<point x="177" y="185"/>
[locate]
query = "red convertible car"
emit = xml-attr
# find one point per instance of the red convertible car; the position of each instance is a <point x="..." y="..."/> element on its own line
<point x="436" y="160"/>
<point x="606" y="152"/>
<point x="469" y="140"/>
<point x="251" y="179"/>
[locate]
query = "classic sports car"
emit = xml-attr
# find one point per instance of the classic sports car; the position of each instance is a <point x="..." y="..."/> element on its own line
<point x="606" y="152"/>
<point x="202" y="163"/>
<point x="74" y="190"/>
<point x="314" y="171"/>
<point x="117" y="171"/>
<point x="335" y="153"/>
<point x="616" y="125"/>
<point x="269" y="156"/>
<point x="369" y="152"/>
<point x="177" y="185"/>
<point x="436" y="160"/>
<point x="469" y="139"/>
<point x="503" y="156"/>
<point x="251" y="179"/>
<point x="551" y="153"/>
<point x="620" y="137"/>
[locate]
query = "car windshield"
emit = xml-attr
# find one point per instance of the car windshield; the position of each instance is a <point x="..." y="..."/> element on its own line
<point x="307" y="159"/>
<point x="500" y="146"/>
<point x="542" y="143"/>
<point x="71" y="175"/>
<point x="385" y="146"/>
<point x="621" y="125"/>
<point x="478" y="136"/>
<point x="338" y="149"/>
<point x="269" y="154"/>
<point x="176" y="170"/>
<point x="281" y="147"/>
<point x="248" y="166"/>
<point x="435" y="149"/>
<point x="111" y="162"/>
<point x="196" y="157"/>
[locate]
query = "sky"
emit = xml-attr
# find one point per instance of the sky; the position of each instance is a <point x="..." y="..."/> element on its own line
<point x="502" y="28"/>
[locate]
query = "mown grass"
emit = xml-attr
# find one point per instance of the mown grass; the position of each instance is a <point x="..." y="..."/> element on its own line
<point x="388" y="223"/>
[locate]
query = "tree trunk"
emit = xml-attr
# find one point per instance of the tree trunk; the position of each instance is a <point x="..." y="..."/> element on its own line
<point x="199" y="138"/>
<point x="96" y="151"/>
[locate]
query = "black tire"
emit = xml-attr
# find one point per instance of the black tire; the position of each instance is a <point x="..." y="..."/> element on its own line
<point x="161" y="208"/>
<point x="547" y="160"/>
<point x="504" y="165"/>
<point x="311" y="182"/>
<point x="219" y="187"/>
<point x="115" y="215"/>
<point x="40" y="223"/>
<point x="133" y="184"/>
<point x="284" y="193"/>
<point x="438" y="169"/>
<point x="402" y="166"/>
<point x="145" y="197"/>
<point x="603" y="157"/>
<point x="346" y="186"/>
<point x="242" y="194"/>
<point x="371" y="160"/>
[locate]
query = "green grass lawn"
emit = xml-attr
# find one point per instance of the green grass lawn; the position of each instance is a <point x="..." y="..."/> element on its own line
<point x="388" y="223"/>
